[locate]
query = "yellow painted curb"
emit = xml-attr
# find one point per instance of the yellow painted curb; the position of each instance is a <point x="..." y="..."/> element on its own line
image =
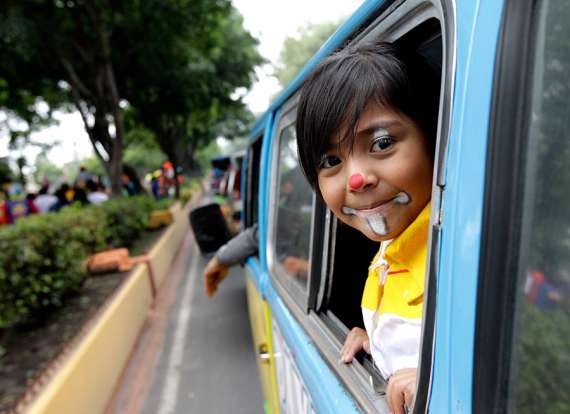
<point x="87" y="379"/>
<point x="163" y="252"/>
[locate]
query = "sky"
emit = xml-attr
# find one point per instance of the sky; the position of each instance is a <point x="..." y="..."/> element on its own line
<point x="270" y="21"/>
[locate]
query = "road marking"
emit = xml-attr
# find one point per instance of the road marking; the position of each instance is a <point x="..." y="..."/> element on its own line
<point x="170" y="390"/>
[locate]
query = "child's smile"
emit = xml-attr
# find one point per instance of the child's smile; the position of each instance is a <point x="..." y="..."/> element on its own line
<point x="383" y="182"/>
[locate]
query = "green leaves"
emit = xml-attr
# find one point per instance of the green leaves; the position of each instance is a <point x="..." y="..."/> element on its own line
<point x="541" y="384"/>
<point x="42" y="256"/>
<point x="297" y="50"/>
<point x="127" y="219"/>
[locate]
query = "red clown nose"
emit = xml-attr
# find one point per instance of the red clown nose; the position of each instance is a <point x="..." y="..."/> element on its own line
<point x="355" y="181"/>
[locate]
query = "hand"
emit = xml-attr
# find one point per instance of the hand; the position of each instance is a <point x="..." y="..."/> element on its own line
<point x="296" y="265"/>
<point x="401" y="390"/>
<point x="356" y="340"/>
<point x="214" y="273"/>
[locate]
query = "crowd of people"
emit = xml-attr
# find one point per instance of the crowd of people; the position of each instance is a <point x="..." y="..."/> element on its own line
<point x="87" y="188"/>
<point x="15" y="203"/>
<point x="163" y="181"/>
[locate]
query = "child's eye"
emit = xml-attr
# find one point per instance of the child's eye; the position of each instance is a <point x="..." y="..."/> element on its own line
<point x="329" y="161"/>
<point x="382" y="143"/>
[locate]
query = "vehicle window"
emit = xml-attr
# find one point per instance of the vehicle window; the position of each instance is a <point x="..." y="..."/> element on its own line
<point x="352" y="251"/>
<point x="541" y="357"/>
<point x="293" y="212"/>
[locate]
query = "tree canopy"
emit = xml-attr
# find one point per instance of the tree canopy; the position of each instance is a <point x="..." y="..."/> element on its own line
<point x="298" y="49"/>
<point x="168" y="60"/>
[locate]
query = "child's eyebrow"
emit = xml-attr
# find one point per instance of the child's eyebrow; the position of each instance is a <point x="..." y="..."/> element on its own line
<point x="367" y="130"/>
<point x="371" y="128"/>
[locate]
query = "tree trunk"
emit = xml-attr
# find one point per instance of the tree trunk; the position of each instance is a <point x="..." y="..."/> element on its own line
<point x="176" y="183"/>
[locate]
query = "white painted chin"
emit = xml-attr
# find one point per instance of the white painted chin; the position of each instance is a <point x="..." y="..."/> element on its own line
<point x="377" y="223"/>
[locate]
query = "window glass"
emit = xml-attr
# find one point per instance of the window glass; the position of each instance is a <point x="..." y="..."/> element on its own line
<point x="294" y="207"/>
<point x="540" y="367"/>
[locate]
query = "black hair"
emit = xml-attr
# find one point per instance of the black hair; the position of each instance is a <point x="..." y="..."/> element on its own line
<point x="91" y="186"/>
<point x="340" y="88"/>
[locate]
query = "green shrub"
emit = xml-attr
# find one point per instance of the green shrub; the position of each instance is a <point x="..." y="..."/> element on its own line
<point x="41" y="261"/>
<point x="127" y="219"/>
<point x="163" y="204"/>
<point x="42" y="256"/>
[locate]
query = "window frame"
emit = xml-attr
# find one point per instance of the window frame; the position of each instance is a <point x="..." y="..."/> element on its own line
<point x="294" y="295"/>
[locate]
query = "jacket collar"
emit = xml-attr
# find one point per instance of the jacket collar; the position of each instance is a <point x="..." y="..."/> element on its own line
<point x="412" y="241"/>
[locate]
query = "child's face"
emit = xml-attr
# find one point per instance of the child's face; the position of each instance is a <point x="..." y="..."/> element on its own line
<point x="381" y="184"/>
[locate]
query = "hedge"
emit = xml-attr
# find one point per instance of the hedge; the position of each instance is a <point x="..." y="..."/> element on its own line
<point x="42" y="257"/>
<point x="126" y="219"/>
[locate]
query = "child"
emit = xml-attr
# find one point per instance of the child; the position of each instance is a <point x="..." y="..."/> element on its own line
<point x="366" y="130"/>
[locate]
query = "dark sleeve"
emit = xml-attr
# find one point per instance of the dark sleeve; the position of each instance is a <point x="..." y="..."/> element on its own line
<point x="238" y="249"/>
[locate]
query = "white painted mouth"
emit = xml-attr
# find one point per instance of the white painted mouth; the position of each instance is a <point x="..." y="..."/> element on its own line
<point x="373" y="217"/>
<point x="349" y="211"/>
<point x="401" y="198"/>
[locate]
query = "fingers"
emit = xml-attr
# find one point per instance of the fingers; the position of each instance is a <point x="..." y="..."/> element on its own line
<point x="356" y="340"/>
<point x="214" y="273"/>
<point x="366" y="346"/>
<point x="211" y="283"/>
<point x="401" y="390"/>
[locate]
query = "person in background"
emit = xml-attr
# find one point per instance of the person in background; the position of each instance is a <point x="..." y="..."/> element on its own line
<point x="45" y="200"/>
<point x="19" y="205"/>
<point x="5" y="217"/>
<point x="236" y="251"/>
<point x="155" y="184"/>
<point x="96" y="193"/>
<point x="79" y="193"/>
<point x="63" y="197"/>
<point x="83" y="175"/>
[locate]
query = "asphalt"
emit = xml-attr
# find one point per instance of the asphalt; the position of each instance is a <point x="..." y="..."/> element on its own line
<point x="195" y="354"/>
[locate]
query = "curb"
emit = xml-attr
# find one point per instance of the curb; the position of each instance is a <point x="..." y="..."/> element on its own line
<point x="84" y="378"/>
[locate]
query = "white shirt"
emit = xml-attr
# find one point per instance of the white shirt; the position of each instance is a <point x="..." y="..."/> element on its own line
<point x="97" y="197"/>
<point x="44" y="201"/>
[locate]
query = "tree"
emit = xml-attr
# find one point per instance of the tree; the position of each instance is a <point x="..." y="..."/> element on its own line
<point x="6" y="174"/>
<point x="46" y="170"/>
<point x="196" y="101"/>
<point x="298" y="49"/>
<point x="101" y="56"/>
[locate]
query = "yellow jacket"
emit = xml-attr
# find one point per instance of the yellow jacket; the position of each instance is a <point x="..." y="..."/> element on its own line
<point x="392" y="300"/>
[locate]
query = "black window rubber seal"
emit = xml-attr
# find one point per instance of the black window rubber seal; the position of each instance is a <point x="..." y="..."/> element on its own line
<point x="502" y="208"/>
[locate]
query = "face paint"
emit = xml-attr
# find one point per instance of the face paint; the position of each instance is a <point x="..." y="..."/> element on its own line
<point x="349" y="211"/>
<point x="377" y="224"/>
<point x="402" y="198"/>
<point x="355" y="181"/>
<point x="376" y="220"/>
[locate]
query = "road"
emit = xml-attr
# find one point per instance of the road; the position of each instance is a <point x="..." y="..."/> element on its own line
<point x="196" y="353"/>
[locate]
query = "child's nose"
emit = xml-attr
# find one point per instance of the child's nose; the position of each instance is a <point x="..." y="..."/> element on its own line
<point x="360" y="181"/>
<point x="360" y="175"/>
<point x="356" y="181"/>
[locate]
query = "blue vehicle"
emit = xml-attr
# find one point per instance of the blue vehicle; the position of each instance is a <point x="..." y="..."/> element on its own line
<point x="496" y="324"/>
